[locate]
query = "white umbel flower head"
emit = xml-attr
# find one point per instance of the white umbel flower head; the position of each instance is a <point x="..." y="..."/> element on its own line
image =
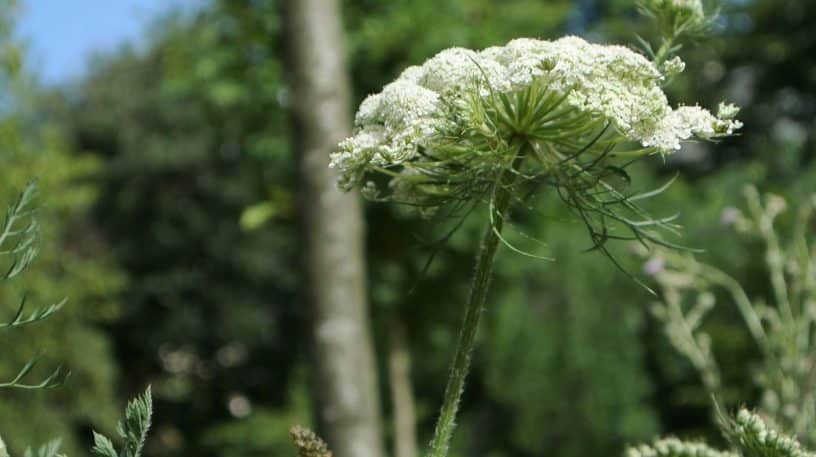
<point x="445" y="129"/>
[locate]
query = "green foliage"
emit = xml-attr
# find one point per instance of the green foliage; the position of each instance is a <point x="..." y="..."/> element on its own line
<point x="550" y="309"/>
<point x="197" y="136"/>
<point x="267" y="426"/>
<point x="782" y="329"/>
<point x="676" y="21"/>
<point x="71" y="262"/>
<point x="132" y="429"/>
<point x="19" y="229"/>
<point x="10" y="54"/>
<point x="18" y="242"/>
<point x="50" y="449"/>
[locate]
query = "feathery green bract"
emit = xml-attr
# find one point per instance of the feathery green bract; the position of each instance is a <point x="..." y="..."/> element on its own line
<point x="132" y="429"/>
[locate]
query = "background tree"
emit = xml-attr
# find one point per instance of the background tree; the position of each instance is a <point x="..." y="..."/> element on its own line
<point x="190" y="134"/>
<point x="345" y="375"/>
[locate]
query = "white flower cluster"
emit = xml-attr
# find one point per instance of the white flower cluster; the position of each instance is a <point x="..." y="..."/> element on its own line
<point x="691" y="121"/>
<point x="673" y="447"/>
<point x="614" y="82"/>
<point x="753" y="434"/>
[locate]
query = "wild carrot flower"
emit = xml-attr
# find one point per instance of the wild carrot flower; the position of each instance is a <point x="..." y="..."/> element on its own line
<point x="444" y="131"/>
<point x="451" y="123"/>
<point x="494" y="125"/>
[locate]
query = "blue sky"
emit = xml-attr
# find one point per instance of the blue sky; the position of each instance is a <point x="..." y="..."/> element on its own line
<point x="62" y="34"/>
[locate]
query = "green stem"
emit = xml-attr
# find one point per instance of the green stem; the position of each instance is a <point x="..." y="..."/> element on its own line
<point x="500" y="203"/>
<point x="663" y="52"/>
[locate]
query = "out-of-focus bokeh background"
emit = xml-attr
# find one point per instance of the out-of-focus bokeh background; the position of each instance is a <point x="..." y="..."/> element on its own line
<point x="160" y="133"/>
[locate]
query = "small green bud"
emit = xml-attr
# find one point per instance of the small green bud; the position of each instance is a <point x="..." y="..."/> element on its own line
<point x="728" y="110"/>
<point x="676" y="18"/>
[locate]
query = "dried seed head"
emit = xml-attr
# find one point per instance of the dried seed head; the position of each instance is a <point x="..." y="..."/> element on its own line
<point x="308" y="443"/>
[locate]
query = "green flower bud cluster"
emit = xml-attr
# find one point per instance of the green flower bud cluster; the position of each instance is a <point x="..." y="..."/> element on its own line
<point x="678" y="17"/>
<point x="753" y="438"/>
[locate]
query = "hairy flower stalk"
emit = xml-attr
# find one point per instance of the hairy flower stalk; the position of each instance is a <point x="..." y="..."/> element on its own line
<point x="500" y="205"/>
<point x="496" y="125"/>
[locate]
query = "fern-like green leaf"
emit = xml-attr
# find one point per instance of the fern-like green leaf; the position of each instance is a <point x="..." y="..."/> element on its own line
<point x="103" y="447"/>
<point x="18" y="248"/>
<point x="18" y="233"/>
<point x="132" y="429"/>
